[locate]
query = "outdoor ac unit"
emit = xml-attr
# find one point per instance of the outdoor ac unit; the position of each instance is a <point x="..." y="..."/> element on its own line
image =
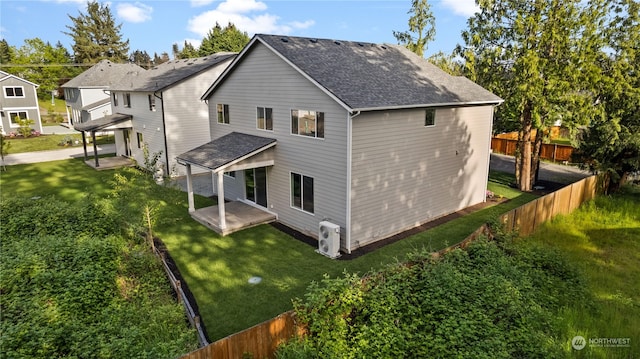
<point x="329" y="239"/>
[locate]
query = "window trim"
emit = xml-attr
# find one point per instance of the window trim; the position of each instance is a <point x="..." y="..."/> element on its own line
<point x="126" y="99"/>
<point x="13" y="124"/>
<point x="230" y="174"/>
<point x="140" y="139"/>
<point x="430" y="113"/>
<point x="264" y="108"/>
<point x="298" y="124"/>
<point x="5" y="88"/>
<point x="225" y="120"/>
<point x="115" y="99"/>
<point x="291" y="196"/>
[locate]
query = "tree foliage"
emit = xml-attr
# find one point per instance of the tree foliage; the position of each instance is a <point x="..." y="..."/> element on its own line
<point x="535" y="55"/>
<point x="611" y="143"/>
<point x="39" y="62"/>
<point x="96" y="36"/>
<point x="141" y="58"/>
<point x="492" y="300"/>
<point x="422" y="28"/>
<point x="6" y="52"/>
<point x="188" y="51"/>
<point x="219" y="39"/>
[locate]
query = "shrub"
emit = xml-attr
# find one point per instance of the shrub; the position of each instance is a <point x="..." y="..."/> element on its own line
<point x="491" y="300"/>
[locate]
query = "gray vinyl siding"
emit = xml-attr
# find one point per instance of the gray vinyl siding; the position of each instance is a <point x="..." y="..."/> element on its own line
<point x="404" y="174"/>
<point x="265" y="80"/>
<point x="186" y="116"/>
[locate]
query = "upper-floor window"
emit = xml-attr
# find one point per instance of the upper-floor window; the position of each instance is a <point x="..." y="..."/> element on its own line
<point x="265" y="118"/>
<point x="126" y="99"/>
<point x="14" y="91"/>
<point x="223" y="113"/>
<point x="115" y="99"/>
<point x="152" y="102"/>
<point x="430" y="117"/>
<point x="140" y="139"/>
<point x="14" y="116"/>
<point x="307" y="123"/>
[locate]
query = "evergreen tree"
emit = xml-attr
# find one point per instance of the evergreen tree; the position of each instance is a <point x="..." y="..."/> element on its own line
<point x="423" y="24"/>
<point x="188" y="51"/>
<point x="537" y="55"/>
<point x="227" y="39"/>
<point x="141" y="58"/>
<point x="6" y="52"/>
<point x="159" y="59"/>
<point x="96" y="36"/>
<point x="611" y="143"/>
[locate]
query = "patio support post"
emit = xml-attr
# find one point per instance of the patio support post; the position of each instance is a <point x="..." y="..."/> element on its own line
<point x="192" y="207"/>
<point x="84" y="146"/>
<point x="95" y="148"/>
<point x="221" y="211"/>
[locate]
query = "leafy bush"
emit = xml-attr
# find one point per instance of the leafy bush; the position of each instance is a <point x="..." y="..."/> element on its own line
<point x="72" y="287"/>
<point x="492" y="300"/>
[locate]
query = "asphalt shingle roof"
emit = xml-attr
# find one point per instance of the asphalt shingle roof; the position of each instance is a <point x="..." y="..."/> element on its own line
<point x="224" y="150"/>
<point x="103" y="74"/>
<point x="366" y="76"/>
<point x="169" y="73"/>
<point x="102" y="123"/>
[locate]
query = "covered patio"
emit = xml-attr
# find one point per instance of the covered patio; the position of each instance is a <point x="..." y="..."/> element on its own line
<point x="232" y="152"/>
<point x="107" y="123"/>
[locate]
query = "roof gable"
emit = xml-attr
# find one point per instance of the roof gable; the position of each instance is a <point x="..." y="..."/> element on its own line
<point x="103" y="74"/>
<point x="366" y="76"/>
<point x="170" y="73"/>
<point x="6" y="75"/>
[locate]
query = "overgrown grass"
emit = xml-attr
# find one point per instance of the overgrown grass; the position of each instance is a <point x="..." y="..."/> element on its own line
<point x="217" y="269"/>
<point x="51" y="142"/>
<point x="602" y="238"/>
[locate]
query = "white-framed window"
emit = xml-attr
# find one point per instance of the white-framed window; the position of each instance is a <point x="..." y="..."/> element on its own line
<point x="140" y="139"/>
<point x="114" y="97"/>
<point x="302" y="196"/>
<point x="430" y="117"/>
<point x="152" y="102"/>
<point x="223" y="113"/>
<point x="230" y="174"/>
<point x="14" y="91"/>
<point x="307" y="123"/>
<point x="23" y="115"/>
<point x="264" y="118"/>
<point x="126" y="99"/>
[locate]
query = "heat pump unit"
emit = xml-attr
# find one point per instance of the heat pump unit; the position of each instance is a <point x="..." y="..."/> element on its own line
<point x="329" y="239"/>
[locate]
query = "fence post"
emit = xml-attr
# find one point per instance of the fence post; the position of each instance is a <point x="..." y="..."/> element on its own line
<point x="179" y="291"/>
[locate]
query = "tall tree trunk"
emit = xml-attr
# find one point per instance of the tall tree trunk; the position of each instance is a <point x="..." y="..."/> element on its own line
<point x="535" y="158"/>
<point x="524" y="180"/>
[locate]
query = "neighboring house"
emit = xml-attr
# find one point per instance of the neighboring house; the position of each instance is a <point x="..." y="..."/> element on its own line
<point x="87" y="95"/>
<point x="19" y="98"/>
<point x="368" y="137"/>
<point x="160" y="109"/>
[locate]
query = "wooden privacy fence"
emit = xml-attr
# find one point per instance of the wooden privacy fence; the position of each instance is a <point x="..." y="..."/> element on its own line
<point x="526" y="218"/>
<point x="549" y="151"/>
<point x="259" y="341"/>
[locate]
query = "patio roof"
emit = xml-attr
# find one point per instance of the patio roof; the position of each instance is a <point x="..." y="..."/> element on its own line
<point x="226" y="151"/>
<point x="116" y="120"/>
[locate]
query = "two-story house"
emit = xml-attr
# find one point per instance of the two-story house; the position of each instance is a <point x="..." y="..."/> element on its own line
<point x="158" y="111"/>
<point x="87" y="95"/>
<point x="370" y="138"/>
<point x="19" y="99"/>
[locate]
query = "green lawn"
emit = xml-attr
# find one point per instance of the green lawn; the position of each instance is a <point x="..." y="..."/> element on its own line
<point x="602" y="238"/>
<point x="217" y="268"/>
<point x="50" y="142"/>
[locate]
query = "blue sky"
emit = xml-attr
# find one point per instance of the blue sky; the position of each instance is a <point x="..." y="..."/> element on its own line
<point x="153" y="26"/>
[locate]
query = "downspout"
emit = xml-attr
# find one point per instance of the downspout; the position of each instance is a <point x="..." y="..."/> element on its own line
<point x="350" y="118"/>
<point x="164" y="133"/>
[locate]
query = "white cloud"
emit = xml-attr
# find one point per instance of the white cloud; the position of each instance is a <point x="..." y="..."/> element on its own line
<point x="198" y="3"/>
<point x="462" y="7"/>
<point x="239" y="12"/>
<point x="137" y="12"/>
